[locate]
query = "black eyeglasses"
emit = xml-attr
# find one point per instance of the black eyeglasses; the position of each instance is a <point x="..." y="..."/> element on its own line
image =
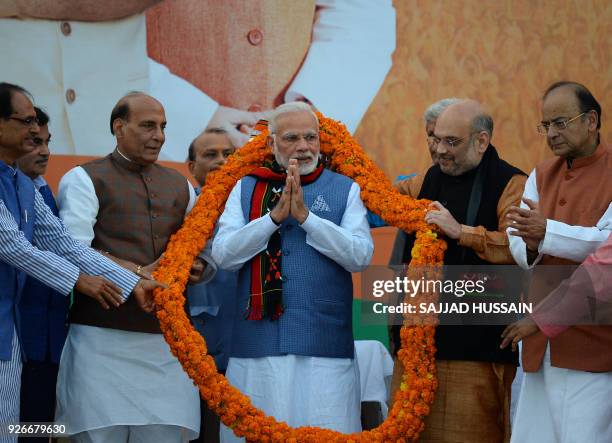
<point x="28" y="121"/>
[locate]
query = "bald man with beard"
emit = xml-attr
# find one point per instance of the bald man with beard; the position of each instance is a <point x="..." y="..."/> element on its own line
<point x="471" y="190"/>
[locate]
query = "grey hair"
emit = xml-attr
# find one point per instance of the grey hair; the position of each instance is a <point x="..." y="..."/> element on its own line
<point x="433" y="111"/>
<point x="288" y="108"/>
<point x="483" y="122"/>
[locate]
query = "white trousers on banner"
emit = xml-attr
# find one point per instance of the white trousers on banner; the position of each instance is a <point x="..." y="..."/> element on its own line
<point x="560" y="405"/>
<point x="299" y="390"/>
<point x="10" y="384"/>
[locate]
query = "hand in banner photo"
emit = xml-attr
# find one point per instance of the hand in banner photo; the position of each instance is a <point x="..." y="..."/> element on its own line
<point x="238" y="124"/>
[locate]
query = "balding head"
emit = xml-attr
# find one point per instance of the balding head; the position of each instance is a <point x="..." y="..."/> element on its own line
<point x="469" y="113"/>
<point x="464" y="131"/>
<point x="122" y="108"/>
<point x="138" y="122"/>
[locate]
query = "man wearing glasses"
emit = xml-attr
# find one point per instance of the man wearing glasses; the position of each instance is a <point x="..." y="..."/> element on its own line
<point x="471" y="190"/>
<point x="565" y="214"/>
<point x="34" y="241"/>
<point x="411" y="186"/>
<point x="43" y="310"/>
<point x="295" y="231"/>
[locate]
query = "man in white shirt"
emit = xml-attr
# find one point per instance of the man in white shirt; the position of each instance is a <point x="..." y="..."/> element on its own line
<point x="128" y="206"/>
<point x="295" y="236"/>
<point x="565" y="215"/>
<point x="33" y="241"/>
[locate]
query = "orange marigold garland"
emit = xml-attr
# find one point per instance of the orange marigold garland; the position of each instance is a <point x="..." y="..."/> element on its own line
<point x="412" y="401"/>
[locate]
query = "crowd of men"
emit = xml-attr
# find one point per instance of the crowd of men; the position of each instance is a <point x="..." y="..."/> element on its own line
<point x="272" y="291"/>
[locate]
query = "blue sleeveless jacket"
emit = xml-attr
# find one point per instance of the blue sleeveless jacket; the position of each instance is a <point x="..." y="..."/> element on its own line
<point x="317" y="292"/>
<point x="17" y="194"/>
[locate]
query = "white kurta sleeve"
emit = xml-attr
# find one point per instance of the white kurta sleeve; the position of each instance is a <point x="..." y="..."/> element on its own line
<point x="349" y="58"/>
<point x="518" y="248"/>
<point x="192" y="198"/>
<point x="561" y="239"/>
<point x="575" y="242"/>
<point x="237" y="241"/>
<point x="350" y="244"/>
<point x="78" y="204"/>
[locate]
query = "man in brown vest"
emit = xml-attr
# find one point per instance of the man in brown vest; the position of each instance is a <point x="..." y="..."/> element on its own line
<point x="128" y="206"/>
<point x="566" y="213"/>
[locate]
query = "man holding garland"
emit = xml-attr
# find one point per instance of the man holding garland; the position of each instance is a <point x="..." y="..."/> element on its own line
<point x="472" y="190"/>
<point x="117" y="380"/>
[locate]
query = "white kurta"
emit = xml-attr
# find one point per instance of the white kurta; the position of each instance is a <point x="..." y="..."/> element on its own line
<point x="348" y="244"/>
<point x="301" y="390"/>
<point x="559" y="405"/>
<point x="111" y="377"/>
<point x="375" y="372"/>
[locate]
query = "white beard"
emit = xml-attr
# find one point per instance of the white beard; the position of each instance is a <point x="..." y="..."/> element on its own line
<point x="303" y="169"/>
<point x="307" y="168"/>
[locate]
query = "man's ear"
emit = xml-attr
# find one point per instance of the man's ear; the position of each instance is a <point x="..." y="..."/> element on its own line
<point x="270" y="142"/>
<point x="483" y="140"/>
<point x="119" y="127"/>
<point x="593" y="118"/>
<point x="190" y="166"/>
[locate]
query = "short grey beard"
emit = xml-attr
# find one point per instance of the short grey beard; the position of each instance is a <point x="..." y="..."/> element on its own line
<point x="302" y="169"/>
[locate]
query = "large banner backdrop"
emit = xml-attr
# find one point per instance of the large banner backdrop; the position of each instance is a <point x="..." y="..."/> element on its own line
<point x="375" y="65"/>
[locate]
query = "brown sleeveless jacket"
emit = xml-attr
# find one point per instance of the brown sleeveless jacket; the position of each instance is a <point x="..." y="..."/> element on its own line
<point x="578" y="195"/>
<point x="140" y="208"/>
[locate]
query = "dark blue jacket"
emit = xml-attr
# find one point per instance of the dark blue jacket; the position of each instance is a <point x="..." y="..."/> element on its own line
<point x="317" y="291"/>
<point x="43" y="312"/>
<point x="17" y="194"/>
